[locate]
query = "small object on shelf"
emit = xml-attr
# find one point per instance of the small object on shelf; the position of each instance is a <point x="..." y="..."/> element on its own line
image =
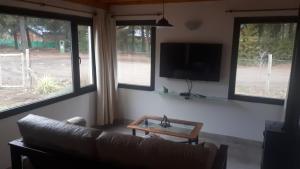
<point x="166" y="90"/>
<point x="199" y="96"/>
<point x="187" y="96"/>
<point x="165" y="122"/>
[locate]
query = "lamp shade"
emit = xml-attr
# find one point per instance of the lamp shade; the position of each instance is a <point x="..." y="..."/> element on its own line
<point x="163" y="22"/>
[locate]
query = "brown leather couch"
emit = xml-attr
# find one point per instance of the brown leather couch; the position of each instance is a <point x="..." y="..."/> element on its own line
<point x="50" y="144"/>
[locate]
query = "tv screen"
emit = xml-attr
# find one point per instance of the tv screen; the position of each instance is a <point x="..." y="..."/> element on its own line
<point x="194" y="61"/>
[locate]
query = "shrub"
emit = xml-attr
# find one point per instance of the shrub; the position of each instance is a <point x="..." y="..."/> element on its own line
<point x="47" y="85"/>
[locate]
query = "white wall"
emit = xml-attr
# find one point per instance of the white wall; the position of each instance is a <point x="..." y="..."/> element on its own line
<point x="83" y="106"/>
<point x="233" y="118"/>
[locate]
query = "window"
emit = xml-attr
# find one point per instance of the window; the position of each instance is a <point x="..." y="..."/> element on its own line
<point x="40" y="59"/>
<point x="85" y="55"/>
<point x="136" y="54"/>
<point x="262" y="57"/>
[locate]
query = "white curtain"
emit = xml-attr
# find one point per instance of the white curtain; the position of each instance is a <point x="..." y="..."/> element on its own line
<point x="106" y="70"/>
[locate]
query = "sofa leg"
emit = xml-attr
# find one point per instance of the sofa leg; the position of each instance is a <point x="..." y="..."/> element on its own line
<point x="133" y="132"/>
<point x="16" y="159"/>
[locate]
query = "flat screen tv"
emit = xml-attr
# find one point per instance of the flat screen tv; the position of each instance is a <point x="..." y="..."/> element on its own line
<point x="194" y="61"/>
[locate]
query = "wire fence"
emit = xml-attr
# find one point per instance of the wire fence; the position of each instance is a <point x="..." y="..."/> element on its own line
<point x="8" y="43"/>
<point x="259" y="62"/>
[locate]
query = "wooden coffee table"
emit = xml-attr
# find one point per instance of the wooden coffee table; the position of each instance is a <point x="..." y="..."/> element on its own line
<point x="179" y="128"/>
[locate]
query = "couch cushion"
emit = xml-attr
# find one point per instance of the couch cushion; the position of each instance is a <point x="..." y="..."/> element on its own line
<point x="166" y="154"/>
<point x="151" y="153"/>
<point x="60" y="136"/>
<point x="76" y="121"/>
<point x="119" y="149"/>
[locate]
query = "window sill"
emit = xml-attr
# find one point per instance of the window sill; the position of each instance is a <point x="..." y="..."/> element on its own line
<point x="39" y="104"/>
<point x="257" y="99"/>
<point x="136" y="87"/>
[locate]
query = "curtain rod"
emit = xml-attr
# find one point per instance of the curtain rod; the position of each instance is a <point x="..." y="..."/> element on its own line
<point x="142" y="14"/>
<point x="262" y="10"/>
<point x="58" y="7"/>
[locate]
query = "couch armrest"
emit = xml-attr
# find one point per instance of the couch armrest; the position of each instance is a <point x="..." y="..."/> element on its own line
<point x="76" y="121"/>
<point x="59" y="136"/>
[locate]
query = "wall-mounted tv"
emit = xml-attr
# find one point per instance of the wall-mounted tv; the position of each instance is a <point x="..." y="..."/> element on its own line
<point x="194" y="61"/>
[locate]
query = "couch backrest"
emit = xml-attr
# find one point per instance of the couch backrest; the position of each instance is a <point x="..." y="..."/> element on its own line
<point x="119" y="149"/>
<point x="52" y="134"/>
<point x="153" y="153"/>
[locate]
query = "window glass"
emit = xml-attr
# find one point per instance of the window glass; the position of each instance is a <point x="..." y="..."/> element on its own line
<point x="264" y="59"/>
<point x="85" y="54"/>
<point x="134" y="54"/>
<point x="35" y="60"/>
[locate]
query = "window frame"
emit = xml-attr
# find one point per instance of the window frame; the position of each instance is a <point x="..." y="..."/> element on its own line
<point x="153" y="49"/>
<point x="234" y="56"/>
<point x="75" y="21"/>
<point x="91" y="87"/>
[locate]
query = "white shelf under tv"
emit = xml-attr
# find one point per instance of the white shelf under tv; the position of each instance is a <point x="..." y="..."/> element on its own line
<point x="193" y="96"/>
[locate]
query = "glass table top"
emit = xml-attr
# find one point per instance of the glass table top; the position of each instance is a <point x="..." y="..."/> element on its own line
<point x="175" y="127"/>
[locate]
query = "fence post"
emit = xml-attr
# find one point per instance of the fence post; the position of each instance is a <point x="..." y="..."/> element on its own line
<point x="0" y="72"/>
<point x="90" y="56"/>
<point x="28" y="77"/>
<point x="270" y="62"/>
<point x="23" y="69"/>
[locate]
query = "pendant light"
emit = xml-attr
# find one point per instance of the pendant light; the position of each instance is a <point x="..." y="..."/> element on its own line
<point x="163" y="22"/>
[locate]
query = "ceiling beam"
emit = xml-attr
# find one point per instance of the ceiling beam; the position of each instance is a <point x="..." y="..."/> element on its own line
<point x="133" y="2"/>
<point x="105" y="4"/>
<point x="92" y="3"/>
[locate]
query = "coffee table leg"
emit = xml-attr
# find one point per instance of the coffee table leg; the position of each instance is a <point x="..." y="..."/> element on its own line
<point x="133" y="132"/>
<point x="197" y="140"/>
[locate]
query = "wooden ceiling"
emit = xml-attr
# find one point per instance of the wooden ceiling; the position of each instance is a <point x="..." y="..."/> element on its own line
<point x="107" y="3"/>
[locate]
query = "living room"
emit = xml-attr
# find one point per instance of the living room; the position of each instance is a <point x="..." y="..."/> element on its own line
<point x="209" y="22"/>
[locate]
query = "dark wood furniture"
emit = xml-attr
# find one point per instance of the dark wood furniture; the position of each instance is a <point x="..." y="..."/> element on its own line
<point x="278" y="147"/>
<point x="48" y="159"/>
<point x="42" y="158"/>
<point x="180" y="128"/>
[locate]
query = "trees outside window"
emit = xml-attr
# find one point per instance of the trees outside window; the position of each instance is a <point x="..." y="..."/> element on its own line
<point x="135" y="54"/>
<point x="262" y="59"/>
<point x="43" y="59"/>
